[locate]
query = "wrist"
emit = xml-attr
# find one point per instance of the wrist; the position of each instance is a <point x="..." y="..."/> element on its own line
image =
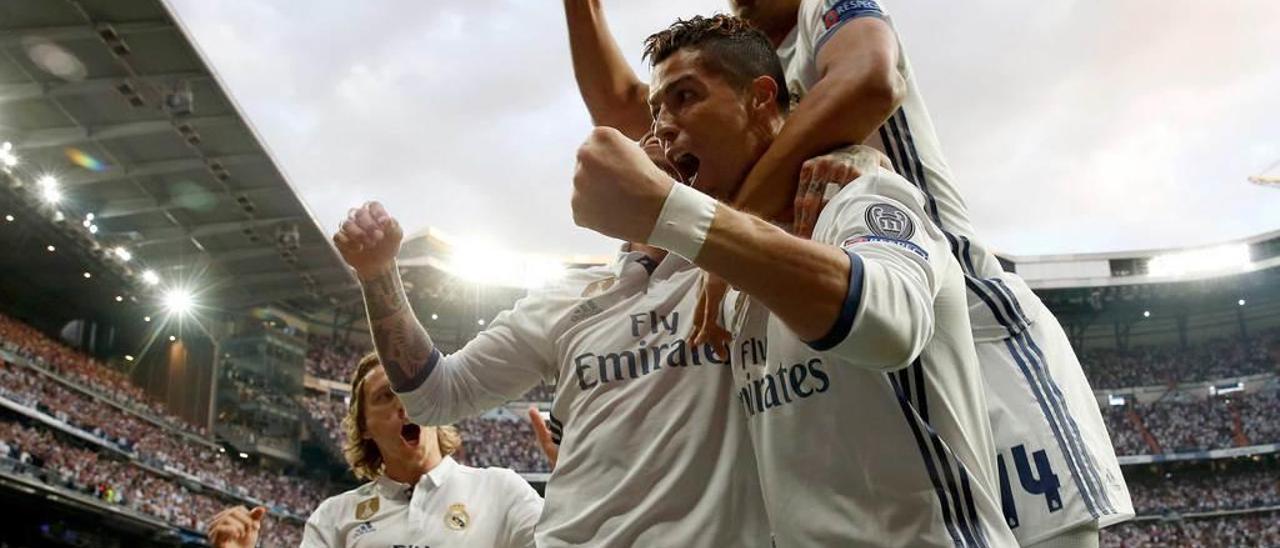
<point x="371" y="273"/>
<point x="684" y="221"/>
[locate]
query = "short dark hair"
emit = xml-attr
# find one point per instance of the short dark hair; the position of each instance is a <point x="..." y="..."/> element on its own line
<point x="739" y="52"/>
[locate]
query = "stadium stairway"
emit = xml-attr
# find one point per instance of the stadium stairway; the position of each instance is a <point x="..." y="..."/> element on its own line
<point x="1237" y="426"/>
<point x="1136" y="421"/>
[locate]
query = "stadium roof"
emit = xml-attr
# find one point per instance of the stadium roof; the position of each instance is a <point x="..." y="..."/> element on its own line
<point x="113" y="100"/>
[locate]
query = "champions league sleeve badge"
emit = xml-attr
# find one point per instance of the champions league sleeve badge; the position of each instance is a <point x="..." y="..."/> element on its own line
<point x="890" y="222"/>
<point x="367" y="508"/>
<point x="457" y="517"/>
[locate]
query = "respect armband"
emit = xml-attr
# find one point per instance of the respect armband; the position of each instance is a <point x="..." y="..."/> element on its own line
<point x="684" y="222"/>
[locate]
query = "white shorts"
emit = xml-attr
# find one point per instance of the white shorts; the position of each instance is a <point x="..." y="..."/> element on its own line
<point x="1056" y="467"/>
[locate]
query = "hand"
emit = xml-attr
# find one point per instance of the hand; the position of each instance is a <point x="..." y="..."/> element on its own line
<point x="369" y="239"/>
<point x="823" y="176"/>
<point x="549" y="448"/>
<point x="706" y="316"/>
<point x="236" y="527"/>
<point x="617" y="191"/>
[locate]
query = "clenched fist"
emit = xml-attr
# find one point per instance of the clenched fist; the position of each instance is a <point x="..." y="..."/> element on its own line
<point x="369" y="239"/>
<point x="617" y="190"/>
<point x="236" y="527"/>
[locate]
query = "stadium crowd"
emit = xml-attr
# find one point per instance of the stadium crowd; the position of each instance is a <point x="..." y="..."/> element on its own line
<point x="1206" y="492"/>
<point x="331" y="359"/>
<point x="1239" y="531"/>
<point x="506" y="442"/>
<point x="1167" y="365"/>
<point x="85" y="371"/>
<point x="1183" y="423"/>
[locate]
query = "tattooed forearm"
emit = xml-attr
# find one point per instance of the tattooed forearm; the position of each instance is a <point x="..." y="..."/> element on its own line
<point x="402" y="343"/>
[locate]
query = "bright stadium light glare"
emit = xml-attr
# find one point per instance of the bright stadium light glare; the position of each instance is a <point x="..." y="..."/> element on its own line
<point x="87" y="275"/>
<point x="1146" y="313"/>
<point x="119" y="298"/>
<point x="1240" y="302"/>
<point x="435" y="316"/>
<point x="244" y="455"/>
<point x="50" y="193"/>
<point x="88" y="217"/>
<point x="93" y="229"/>
<point x="7" y="157"/>
<point x="483" y="263"/>
<point x="1214" y="259"/>
<point x="150" y="277"/>
<point x="172" y="338"/>
<point x="178" y="301"/>
<point x="146" y="318"/>
<point x="50" y="248"/>
<point x="8" y="218"/>
<point x="123" y="254"/>
<point x="480" y="322"/>
<point x="128" y="358"/>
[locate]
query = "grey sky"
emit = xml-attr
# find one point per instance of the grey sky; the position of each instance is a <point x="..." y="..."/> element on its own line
<point x="1071" y="128"/>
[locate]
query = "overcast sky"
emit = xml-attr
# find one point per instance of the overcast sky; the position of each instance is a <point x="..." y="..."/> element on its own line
<point x="1071" y="126"/>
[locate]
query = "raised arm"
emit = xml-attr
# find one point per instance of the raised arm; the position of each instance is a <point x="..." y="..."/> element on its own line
<point x="826" y="294"/>
<point x="369" y="241"/>
<point x="505" y="360"/>
<point x="614" y="95"/>
<point x="858" y="88"/>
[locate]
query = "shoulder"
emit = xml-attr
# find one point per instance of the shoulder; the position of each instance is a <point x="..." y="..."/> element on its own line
<point x="333" y="507"/>
<point x="880" y="185"/>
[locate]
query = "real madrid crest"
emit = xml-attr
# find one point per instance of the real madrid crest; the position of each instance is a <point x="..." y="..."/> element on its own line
<point x="457" y="518"/>
<point x="367" y="508"/>
<point x="599" y="286"/>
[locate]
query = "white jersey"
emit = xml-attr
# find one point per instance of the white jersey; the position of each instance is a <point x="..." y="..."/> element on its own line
<point x="452" y="505"/>
<point x="653" y="451"/>
<point x="1040" y="399"/>
<point x="876" y="434"/>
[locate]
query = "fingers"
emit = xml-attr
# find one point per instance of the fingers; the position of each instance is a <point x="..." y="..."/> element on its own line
<point x="258" y="513"/>
<point x="232" y="523"/>
<point x="543" y="434"/>
<point x="371" y="228"/>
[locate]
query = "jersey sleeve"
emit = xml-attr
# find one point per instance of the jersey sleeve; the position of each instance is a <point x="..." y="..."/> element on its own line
<point x="321" y="529"/>
<point x="896" y="261"/>
<point x="500" y="364"/>
<point x="524" y="512"/>
<point x="820" y="19"/>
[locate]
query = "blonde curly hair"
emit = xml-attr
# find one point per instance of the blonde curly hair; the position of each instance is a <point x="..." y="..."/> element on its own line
<point x="362" y="454"/>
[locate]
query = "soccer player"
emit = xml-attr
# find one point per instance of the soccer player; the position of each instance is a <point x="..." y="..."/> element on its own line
<point x="851" y="82"/>
<point x="853" y="355"/>
<point x="416" y="494"/>
<point x="652" y="449"/>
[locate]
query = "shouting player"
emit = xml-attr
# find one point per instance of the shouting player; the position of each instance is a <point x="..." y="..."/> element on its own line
<point x="851" y="82"/>
<point x="853" y="357"/>
<point x="416" y="494"/>
<point x="652" y="451"/>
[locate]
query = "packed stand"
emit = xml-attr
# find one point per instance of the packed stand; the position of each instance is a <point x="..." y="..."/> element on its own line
<point x="1197" y="424"/>
<point x="1238" y="531"/>
<point x="1206" y="492"/>
<point x="85" y="371"/>
<point x="1125" y="439"/>
<point x="327" y="412"/>
<point x="506" y="442"/>
<point x="153" y="444"/>
<point x="331" y="359"/>
<point x="1192" y="425"/>
<point x="1167" y="365"/>
<point x="109" y="480"/>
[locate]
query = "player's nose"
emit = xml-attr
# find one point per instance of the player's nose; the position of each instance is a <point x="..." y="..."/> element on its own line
<point x="665" y="129"/>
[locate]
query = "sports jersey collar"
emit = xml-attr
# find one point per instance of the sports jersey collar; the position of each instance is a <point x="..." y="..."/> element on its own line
<point x="437" y="476"/>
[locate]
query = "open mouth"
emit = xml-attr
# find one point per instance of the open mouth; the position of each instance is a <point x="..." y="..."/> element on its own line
<point x="410" y="433"/>
<point x="686" y="165"/>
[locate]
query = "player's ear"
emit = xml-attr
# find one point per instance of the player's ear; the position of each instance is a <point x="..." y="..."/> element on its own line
<point x="764" y="95"/>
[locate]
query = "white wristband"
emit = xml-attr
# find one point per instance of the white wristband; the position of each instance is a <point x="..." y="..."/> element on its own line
<point x="684" y="222"/>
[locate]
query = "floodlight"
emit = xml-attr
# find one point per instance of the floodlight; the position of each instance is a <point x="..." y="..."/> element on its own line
<point x="178" y="301"/>
<point x="150" y="277"/>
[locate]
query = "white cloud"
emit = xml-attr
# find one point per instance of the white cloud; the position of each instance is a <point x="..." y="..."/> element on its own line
<point x="1071" y="126"/>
